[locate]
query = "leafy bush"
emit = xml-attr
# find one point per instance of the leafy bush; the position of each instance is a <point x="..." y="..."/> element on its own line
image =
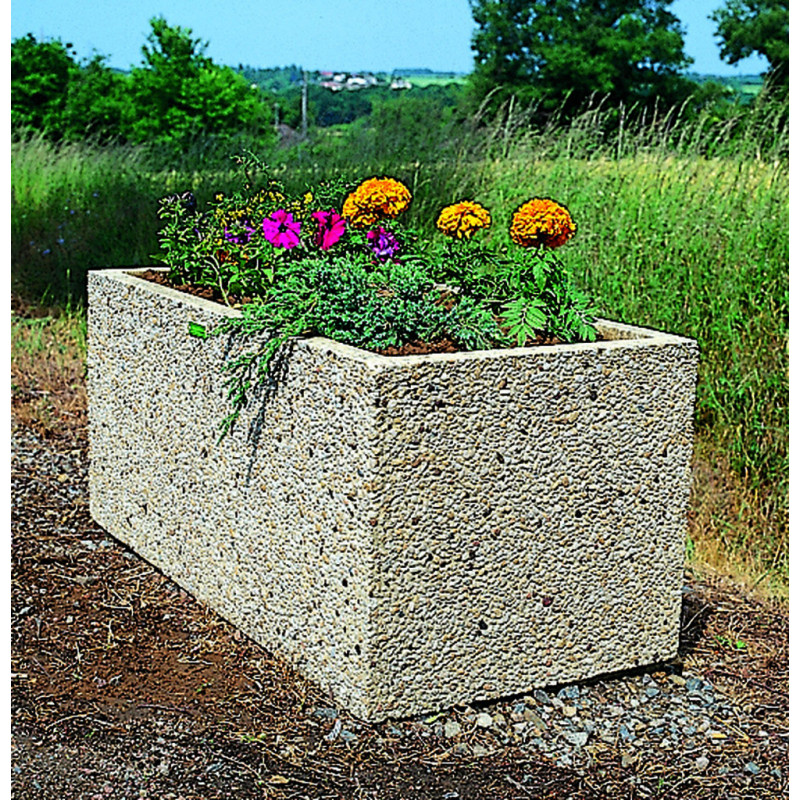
<point x="178" y="97"/>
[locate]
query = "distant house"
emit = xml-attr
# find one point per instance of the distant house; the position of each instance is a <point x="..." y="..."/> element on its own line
<point x="337" y="81"/>
<point x="399" y="83"/>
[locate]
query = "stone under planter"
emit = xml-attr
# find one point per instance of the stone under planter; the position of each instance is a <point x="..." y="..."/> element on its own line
<point x="410" y="532"/>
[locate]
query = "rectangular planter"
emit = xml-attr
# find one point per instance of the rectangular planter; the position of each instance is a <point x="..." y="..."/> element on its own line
<point x="410" y="532"/>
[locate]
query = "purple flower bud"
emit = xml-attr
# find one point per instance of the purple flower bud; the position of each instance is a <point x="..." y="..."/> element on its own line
<point x="242" y="235"/>
<point x="383" y="243"/>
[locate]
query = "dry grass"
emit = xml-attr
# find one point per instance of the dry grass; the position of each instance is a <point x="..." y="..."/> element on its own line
<point x="728" y="525"/>
<point x="48" y="356"/>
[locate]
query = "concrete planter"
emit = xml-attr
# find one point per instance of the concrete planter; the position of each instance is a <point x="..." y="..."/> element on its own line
<point x="410" y="532"/>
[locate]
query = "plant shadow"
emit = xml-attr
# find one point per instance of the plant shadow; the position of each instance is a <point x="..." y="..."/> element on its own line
<point x="262" y="394"/>
<point x="695" y="613"/>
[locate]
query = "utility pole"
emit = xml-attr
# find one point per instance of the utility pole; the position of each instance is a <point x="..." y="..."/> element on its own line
<point x="305" y="105"/>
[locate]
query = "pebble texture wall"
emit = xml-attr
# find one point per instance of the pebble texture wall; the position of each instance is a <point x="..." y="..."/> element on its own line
<point x="410" y="532"/>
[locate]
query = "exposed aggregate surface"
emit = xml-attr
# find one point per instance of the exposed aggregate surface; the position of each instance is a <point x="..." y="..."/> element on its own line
<point x="402" y="530"/>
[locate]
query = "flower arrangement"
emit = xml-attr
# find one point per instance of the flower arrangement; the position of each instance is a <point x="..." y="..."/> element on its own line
<point x="336" y="262"/>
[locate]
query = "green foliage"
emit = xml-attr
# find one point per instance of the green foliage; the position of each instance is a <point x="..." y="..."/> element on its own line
<point x="548" y="303"/>
<point x="180" y="95"/>
<point x="76" y="207"/>
<point x="273" y="80"/>
<point x="746" y="27"/>
<point x="336" y="108"/>
<point x="96" y="103"/>
<point x="408" y="127"/>
<point x="175" y="100"/>
<point x="353" y="300"/>
<point x="558" y="53"/>
<point x="325" y="108"/>
<point x="40" y="76"/>
<point x="62" y="99"/>
<point x="530" y="291"/>
<point x="311" y="271"/>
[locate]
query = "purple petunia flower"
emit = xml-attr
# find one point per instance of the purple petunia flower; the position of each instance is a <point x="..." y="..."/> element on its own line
<point x="331" y="228"/>
<point x="242" y="236"/>
<point x="280" y="229"/>
<point x="383" y="243"/>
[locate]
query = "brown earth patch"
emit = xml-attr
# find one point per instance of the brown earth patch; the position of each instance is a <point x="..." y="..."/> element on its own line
<point x="124" y="686"/>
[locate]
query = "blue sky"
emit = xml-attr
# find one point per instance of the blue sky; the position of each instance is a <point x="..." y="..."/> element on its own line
<point x="345" y="35"/>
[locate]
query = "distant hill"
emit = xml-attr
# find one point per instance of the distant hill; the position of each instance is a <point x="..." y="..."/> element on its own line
<point x="745" y="86"/>
<point x="422" y="77"/>
<point x="427" y="72"/>
<point x="725" y="79"/>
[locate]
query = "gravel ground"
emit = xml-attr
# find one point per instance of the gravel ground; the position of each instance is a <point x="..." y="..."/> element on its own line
<point x="124" y="687"/>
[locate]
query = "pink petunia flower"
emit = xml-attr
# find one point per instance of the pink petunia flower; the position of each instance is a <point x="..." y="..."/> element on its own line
<point x="280" y="229"/>
<point x="331" y="228"/>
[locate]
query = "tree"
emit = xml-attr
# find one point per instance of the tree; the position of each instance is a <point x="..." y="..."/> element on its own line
<point x="40" y="76"/>
<point x="746" y="27"/>
<point x="560" y="53"/>
<point x="95" y="102"/>
<point x="180" y="95"/>
<point x="54" y="94"/>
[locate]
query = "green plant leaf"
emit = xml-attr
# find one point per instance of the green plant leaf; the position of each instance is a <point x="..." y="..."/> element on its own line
<point x="523" y="318"/>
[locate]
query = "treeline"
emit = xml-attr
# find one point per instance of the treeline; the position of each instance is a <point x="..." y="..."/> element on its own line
<point x="538" y="64"/>
<point x="177" y="96"/>
<point x="325" y="109"/>
<point x="558" y="54"/>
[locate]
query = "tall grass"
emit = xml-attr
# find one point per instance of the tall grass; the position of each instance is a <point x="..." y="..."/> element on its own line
<point x="698" y="247"/>
<point x="686" y="228"/>
<point x="682" y="225"/>
<point x="77" y="207"/>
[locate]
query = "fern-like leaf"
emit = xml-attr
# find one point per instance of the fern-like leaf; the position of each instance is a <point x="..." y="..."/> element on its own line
<point x="523" y="318"/>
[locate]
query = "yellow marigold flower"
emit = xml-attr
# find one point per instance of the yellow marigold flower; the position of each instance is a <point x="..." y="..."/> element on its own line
<point x="376" y="199"/>
<point x="308" y="198"/>
<point x="541" y="223"/>
<point x="461" y="220"/>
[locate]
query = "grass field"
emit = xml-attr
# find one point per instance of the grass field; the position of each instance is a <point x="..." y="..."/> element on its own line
<point x="423" y="81"/>
<point x="687" y="235"/>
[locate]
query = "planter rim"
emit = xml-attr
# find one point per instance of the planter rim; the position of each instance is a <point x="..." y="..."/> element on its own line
<point x="636" y="335"/>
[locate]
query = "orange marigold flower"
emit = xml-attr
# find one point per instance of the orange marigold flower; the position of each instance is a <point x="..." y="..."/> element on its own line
<point x="542" y="223"/>
<point x="461" y="220"/>
<point x="376" y="199"/>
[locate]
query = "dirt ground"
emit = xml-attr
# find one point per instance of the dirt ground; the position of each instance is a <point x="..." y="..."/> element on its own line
<point x="123" y="686"/>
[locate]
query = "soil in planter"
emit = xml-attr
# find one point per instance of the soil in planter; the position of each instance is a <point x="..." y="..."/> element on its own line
<point x="442" y="345"/>
<point x="206" y="292"/>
